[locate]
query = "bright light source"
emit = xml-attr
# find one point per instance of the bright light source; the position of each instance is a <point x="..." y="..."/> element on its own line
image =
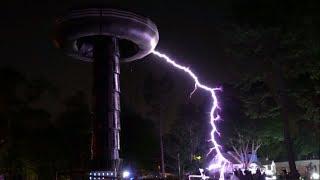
<point x="197" y="157"/>
<point x="271" y="178"/>
<point x="125" y="174"/>
<point x="315" y="176"/>
<point x="153" y="43"/>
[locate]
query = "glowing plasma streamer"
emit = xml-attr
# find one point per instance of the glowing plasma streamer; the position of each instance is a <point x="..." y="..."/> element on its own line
<point x="219" y="162"/>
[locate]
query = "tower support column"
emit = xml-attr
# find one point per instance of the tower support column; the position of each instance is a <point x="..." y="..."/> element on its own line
<point x="106" y="92"/>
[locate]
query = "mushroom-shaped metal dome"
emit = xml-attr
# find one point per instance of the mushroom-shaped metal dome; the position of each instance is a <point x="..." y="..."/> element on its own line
<point x="137" y="35"/>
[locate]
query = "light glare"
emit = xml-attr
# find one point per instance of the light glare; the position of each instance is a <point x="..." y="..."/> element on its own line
<point x="125" y="174"/>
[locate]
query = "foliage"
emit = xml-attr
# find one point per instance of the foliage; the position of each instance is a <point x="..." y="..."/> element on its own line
<point x="139" y="141"/>
<point x="187" y="139"/>
<point x="297" y="56"/>
<point x="262" y="117"/>
<point x="73" y="130"/>
<point x="33" y="139"/>
<point x="21" y="118"/>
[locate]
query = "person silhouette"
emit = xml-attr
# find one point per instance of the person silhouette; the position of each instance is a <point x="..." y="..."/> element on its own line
<point x="263" y="176"/>
<point x="240" y="175"/>
<point x="248" y="175"/>
<point x="257" y="175"/>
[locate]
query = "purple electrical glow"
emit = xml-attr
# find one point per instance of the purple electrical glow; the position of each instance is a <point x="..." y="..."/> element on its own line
<point x="219" y="162"/>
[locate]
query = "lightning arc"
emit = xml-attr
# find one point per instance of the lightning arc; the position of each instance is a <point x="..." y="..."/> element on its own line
<point x="219" y="162"/>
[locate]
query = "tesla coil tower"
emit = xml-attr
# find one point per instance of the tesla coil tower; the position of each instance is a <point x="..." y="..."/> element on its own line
<point x="105" y="37"/>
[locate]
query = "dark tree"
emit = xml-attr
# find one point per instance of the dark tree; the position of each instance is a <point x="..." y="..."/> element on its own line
<point x="22" y="117"/>
<point x="139" y="141"/>
<point x="157" y="95"/>
<point x="277" y="55"/>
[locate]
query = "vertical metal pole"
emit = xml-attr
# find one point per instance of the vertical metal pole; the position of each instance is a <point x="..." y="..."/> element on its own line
<point x="106" y="121"/>
<point x="163" y="170"/>
<point x="179" y="166"/>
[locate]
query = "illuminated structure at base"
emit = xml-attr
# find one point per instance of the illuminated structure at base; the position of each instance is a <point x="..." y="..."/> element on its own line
<point x="219" y="163"/>
<point x="105" y="37"/>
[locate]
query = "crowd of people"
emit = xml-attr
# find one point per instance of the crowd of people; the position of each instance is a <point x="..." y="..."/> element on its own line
<point x="247" y="175"/>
